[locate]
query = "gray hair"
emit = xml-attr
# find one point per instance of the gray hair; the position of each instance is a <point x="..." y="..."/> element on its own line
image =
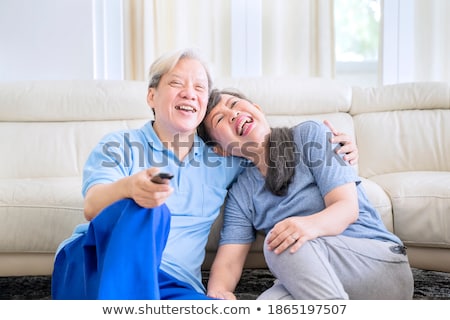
<point x="167" y="62"/>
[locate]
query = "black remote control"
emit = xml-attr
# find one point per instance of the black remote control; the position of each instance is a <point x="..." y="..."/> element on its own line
<point x="160" y="177"/>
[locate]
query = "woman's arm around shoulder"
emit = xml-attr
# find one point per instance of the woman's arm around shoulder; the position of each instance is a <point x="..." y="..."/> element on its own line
<point x="348" y="146"/>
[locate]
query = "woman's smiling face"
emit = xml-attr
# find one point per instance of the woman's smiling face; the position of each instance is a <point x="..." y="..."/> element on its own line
<point x="236" y="124"/>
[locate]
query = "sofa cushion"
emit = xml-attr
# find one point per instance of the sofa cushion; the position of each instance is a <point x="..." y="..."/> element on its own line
<point x="73" y="100"/>
<point x="380" y="200"/>
<point x="291" y="95"/>
<point x="396" y="141"/>
<point x="402" y="127"/>
<point x="51" y="126"/>
<point x="52" y="149"/>
<point x="37" y="214"/>
<point x="421" y="202"/>
<point x="402" y="96"/>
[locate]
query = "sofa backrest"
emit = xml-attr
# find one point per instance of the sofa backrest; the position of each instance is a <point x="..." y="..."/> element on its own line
<point x="407" y="125"/>
<point x="48" y="128"/>
<point x="289" y="100"/>
<point x="59" y="122"/>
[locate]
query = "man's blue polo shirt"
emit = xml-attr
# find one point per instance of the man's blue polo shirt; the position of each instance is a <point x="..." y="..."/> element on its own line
<point x="200" y="185"/>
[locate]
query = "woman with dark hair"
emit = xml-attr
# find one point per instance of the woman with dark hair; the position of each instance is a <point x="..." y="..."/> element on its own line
<point x="324" y="240"/>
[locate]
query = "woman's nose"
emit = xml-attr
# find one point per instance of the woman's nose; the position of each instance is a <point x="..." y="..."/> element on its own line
<point x="235" y="115"/>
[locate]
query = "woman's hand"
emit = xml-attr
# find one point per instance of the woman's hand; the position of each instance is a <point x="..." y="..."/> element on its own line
<point x="226" y="295"/>
<point x="348" y="147"/>
<point x="341" y="210"/>
<point x="291" y="233"/>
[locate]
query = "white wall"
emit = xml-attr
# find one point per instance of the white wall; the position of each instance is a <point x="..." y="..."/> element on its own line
<point x="46" y="39"/>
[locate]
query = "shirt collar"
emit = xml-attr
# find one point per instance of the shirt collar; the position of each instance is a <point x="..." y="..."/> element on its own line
<point x="156" y="144"/>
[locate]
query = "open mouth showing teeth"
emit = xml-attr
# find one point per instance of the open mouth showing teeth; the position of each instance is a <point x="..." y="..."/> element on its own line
<point x="241" y="125"/>
<point x="186" y="108"/>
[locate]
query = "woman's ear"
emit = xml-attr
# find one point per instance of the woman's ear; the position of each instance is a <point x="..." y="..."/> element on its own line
<point x="257" y="107"/>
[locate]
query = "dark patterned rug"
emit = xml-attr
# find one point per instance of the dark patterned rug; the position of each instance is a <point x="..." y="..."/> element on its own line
<point x="428" y="285"/>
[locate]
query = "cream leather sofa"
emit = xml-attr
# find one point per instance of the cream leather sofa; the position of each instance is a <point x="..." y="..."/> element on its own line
<point x="48" y="128"/>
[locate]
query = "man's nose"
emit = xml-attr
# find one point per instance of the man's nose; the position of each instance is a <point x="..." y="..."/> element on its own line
<point x="188" y="92"/>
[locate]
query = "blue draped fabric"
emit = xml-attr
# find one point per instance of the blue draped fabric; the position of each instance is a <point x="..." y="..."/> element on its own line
<point x="119" y="258"/>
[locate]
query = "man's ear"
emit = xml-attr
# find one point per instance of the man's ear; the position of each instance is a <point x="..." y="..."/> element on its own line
<point x="150" y="96"/>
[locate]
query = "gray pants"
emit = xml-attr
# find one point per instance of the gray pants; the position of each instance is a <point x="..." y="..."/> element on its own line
<point x="340" y="267"/>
